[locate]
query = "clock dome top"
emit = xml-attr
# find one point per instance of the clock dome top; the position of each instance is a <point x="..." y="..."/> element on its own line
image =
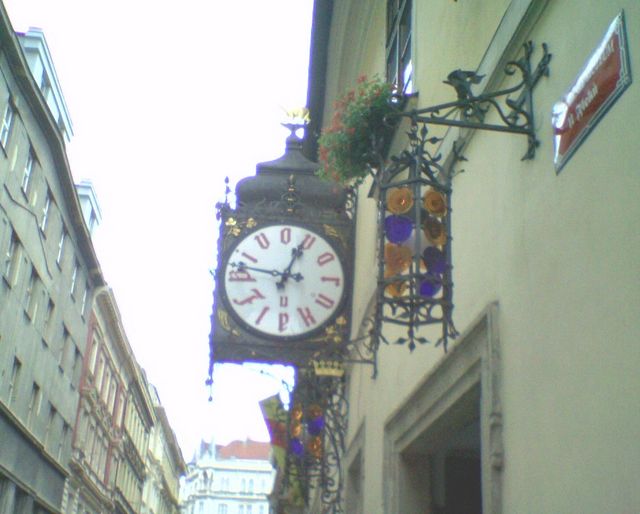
<point x="273" y="178"/>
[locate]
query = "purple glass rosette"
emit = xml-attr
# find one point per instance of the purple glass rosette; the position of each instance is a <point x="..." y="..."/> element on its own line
<point x="296" y="446"/>
<point x="316" y="425"/>
<point x="430" y="285"/>
<point x="397" y="228"/>
<point x="435" y="260"/>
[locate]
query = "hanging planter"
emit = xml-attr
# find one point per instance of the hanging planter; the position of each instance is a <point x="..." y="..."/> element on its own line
<point x="352" y="146"/>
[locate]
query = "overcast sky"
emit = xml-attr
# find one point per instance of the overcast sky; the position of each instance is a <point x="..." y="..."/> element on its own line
<point x="166" y="99"/>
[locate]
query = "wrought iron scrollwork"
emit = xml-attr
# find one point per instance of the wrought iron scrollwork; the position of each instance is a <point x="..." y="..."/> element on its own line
<point x="415" y="286"/>
<point x="317" y="428"/>
<point x="469" y="110"/>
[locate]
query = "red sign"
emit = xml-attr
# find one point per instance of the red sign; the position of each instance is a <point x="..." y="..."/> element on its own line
<point x="603" y="79"/>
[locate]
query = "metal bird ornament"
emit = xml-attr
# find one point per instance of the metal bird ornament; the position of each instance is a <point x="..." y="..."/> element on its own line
<point x="462" y="81"/>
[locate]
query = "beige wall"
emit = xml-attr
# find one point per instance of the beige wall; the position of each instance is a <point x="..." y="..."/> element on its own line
<point x="559" y="253"/>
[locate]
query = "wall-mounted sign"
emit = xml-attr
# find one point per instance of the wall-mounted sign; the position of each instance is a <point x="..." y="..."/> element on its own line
<point x="604" y="77"/>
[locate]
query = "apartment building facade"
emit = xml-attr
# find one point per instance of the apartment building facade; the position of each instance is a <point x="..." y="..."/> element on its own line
<point x="76" y="415"/>
<point x="165" y="465"/>
<point x="49" y="273"/>
<point x="232" y="479"/>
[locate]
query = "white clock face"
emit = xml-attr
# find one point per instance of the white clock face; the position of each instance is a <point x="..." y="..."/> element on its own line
<point x="284" y="280"/>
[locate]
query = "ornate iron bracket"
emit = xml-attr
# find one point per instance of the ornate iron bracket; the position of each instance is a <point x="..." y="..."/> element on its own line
<point x="415" y="286"/>
<point x="469" y="110"/>
<point x="317" y="428"/>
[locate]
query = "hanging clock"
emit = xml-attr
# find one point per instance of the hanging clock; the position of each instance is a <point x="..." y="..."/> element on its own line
<point x="283" y="281"/>
<point x="285" y="271"/>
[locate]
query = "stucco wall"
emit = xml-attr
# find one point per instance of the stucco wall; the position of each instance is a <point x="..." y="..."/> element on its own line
<point x="559" y="253"/>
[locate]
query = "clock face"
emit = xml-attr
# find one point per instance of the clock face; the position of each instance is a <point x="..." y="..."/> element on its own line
<point x="283" y="281"/>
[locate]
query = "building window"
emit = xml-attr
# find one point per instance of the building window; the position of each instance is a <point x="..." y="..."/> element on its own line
<point x="111" y="401"/>
<point x="14" y="382"/>
<point x="34" y="404"/>
<point x="60" y="255"/>
<point x="45" y="86"/>
<point x="31" y="296"/>
<point x="26" y="174"/>
<point x="48" y="315"/>
<point x="222" y="508"/>
<point x="93" y="356"/>
<point x="76" y="370"/>
<point x="63" y="439"/>
<point x="65" y="351"/>
<point x="119" y="410"/>
<point x="12" y="259"/>
<point x="83" y="302"/>
<point x="399" y="64"/>
<point x="7" y="121"/>
<point x="48" y="435"/>
<point x="74" y="279"/>
<point x="104" y="387"/>
<point x="45" y="211"/>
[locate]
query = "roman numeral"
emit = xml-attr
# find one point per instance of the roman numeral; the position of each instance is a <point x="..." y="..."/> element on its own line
<point x="262" y="313"/>
<point x="250" y="257"/>
<point x="306" y="316"/>
<point x="240" y="276"/>
<point x="262" y="240"/>
<point x="257" y="295"/>
<point x="325" y="258"/>
<point x="325" y="301"/>
<point x="285" y="235"/>
<point x="283" y="321"/>
<point x="308" y="241"/>
<point x="335" y="280"/>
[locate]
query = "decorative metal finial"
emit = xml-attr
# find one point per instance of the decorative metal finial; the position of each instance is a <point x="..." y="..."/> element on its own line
<point x="291" y="196"/>
<point x="296" y="119"/>
<point x="227" y="189"/>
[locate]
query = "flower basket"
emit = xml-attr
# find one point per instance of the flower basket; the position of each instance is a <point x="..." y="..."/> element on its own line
<point x="354" y="142"/>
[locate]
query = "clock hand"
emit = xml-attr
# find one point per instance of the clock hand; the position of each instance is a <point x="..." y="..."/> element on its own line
<point x="295" y="253"/>
<point x="242" y="267"/>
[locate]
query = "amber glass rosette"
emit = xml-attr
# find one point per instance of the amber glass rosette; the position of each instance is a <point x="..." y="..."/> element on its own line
<point x="305" y="431"/>
<point x="414" y="281"/>
<point x="415" y="237"/>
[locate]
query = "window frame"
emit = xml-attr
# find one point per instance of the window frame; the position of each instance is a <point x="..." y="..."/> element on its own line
<point x="74" y="279"/>
<point x="12" y="259"/>
<point x="7" y="123"/>
<point x="398" y="45"/>
<point x="61" y="245"/>
<point x="32" y="291"/>
<point x="35" y="404"/>
<point x="27" y="172"/>
<point x="48" y="316"/>
<point x="46" y="210"/>
<point x="83" y="302"/>
<point x="14" y="381"/>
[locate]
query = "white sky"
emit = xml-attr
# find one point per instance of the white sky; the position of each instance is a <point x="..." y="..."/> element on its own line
<point x="166" y="99"/>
